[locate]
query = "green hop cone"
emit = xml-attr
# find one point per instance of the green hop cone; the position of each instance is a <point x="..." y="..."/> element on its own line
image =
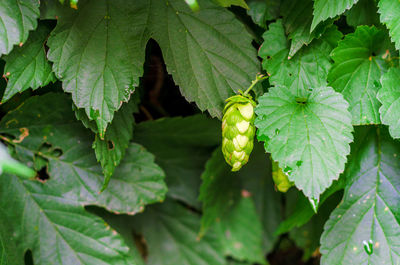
<point x="238" y="130"/>
<point x="281" y="180"/>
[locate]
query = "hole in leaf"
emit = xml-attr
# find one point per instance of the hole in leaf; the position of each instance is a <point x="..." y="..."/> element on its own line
<point x="268" y="57"/>
<point x="45" y="147"/>
<point x="110" y="145"/>
<point x="287" y="170"/>
<point x="57" y="152"/>
<point x="42" y="175"/>
<point x="28" y="257"/>
<point x="290" y="74"/>
<point x="373" y="54"/>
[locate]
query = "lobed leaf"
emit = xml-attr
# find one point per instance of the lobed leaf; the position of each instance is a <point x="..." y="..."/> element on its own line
<point x="307" y="69"/>
<point x="365" y="228"/>
<point x="308" y="133"/>
<point x="208" y="53"/>
<point x="99" y="55"/>
<point x="359" y="64"/>
<point x="72" y="166"/>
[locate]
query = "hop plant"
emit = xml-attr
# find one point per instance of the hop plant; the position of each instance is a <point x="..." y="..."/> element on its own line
<point x="238" y="128"/>
<point x="281" y="180"/>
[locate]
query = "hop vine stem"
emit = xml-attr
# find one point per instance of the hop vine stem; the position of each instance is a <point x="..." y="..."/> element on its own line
<point x="259" y="77"/>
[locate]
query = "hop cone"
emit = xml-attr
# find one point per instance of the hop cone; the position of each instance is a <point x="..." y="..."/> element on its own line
<point x="238" y="130"/>
<point x="281" y="180"/>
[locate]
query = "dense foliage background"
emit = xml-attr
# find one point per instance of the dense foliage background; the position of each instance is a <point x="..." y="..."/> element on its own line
<point x="113" y="108"/>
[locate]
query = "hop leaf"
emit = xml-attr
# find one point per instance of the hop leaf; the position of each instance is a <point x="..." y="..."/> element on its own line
<point x="238" y="130"/>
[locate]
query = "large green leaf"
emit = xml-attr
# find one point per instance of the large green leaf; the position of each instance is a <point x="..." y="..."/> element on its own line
<point x="17" y="18"/>
<point x="365" y="228"/>
<point x="359" y="64"/>
<point x="329" y="9"/>
<point x="181" y="146"/>
<point x="208" y="53"/>
<point x="389" y="96"/>
<point x="56" y="229"/>
<point x="390" y="16"/>
<point x="307" y="69"/>
<point x="363" y="13"/>
<point x="27" y="66"/>
<point x="308" y="133"/>
<point x="99" y="55"/>
<point x="72" y="165"/>
<point x="170" y="231"/>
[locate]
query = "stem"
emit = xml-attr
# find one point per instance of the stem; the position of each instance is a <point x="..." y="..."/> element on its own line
<point x="254" y="82"/>
<point x="13" y="167"/>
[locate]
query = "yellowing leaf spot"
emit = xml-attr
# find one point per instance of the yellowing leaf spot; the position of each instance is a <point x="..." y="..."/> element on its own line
<point x="24" y="133"/>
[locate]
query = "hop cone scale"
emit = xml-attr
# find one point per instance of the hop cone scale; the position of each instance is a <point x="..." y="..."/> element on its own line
<point x="238" y="130"/>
